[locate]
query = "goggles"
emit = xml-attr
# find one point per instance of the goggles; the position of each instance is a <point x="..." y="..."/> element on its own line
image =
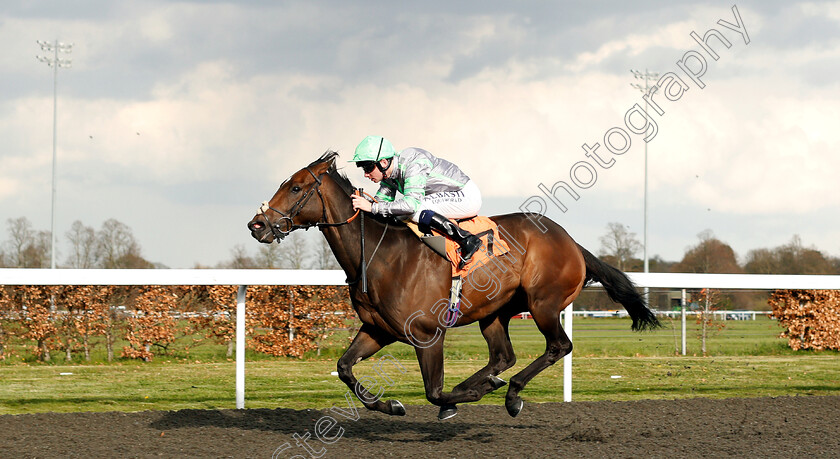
<point x="367" y="166"/>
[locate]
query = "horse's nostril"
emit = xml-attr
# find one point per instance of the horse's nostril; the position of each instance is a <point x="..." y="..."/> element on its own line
<point x="254" y="226"/>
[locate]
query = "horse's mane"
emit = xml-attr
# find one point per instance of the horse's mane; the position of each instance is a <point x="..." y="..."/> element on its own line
<point x="345" y="184"/>
<point x="339" y="177"/>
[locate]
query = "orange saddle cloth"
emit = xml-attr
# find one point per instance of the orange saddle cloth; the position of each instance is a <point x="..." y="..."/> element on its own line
<point x="492" y="245"/>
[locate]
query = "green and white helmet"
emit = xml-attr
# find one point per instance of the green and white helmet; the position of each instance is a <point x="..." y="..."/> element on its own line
<point x="373" y="148"/>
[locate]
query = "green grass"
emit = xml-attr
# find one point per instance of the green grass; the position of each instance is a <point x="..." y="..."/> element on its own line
<point x="309" y="384"/>
<point x="612" y="337"/>
<point x="745" y="359"/>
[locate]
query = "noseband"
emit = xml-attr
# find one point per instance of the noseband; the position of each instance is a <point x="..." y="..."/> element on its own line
<point x="286" y="224"/>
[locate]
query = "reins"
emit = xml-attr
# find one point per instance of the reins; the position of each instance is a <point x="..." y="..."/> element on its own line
<point x="286" y="224"/>
<point x="281" y="228"/>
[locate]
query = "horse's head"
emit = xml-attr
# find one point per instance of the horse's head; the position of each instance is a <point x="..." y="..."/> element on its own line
<point x="298" y="203"/>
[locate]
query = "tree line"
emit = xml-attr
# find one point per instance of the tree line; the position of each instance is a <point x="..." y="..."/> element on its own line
<point x="619" y="247"/>
<point x="297" y="251"/>
<point x="112" y="246"/>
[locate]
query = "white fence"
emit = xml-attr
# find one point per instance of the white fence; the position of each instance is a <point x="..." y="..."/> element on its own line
<point x="245" y="277"/>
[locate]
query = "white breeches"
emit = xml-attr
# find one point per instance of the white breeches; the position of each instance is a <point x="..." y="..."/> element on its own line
<point x="452" y="204"/>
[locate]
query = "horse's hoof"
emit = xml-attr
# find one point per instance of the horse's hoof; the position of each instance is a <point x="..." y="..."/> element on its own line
<point x="397" y="408"/>
<point x="447" y="411"/>
<point x="496" y="382"/>
<point x="514" y="407"/>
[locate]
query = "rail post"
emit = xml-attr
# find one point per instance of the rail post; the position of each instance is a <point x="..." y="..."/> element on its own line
<point x="567" y="360"/>
<point x="682" y="319"/>
<point x="240" y="347"/>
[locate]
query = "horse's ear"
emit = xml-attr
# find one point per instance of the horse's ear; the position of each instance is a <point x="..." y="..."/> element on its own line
<point x="325" y="163"/>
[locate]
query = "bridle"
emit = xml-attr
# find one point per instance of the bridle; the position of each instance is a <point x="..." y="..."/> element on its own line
<point x="286" y="224"/>
<point x="279" y="231"/>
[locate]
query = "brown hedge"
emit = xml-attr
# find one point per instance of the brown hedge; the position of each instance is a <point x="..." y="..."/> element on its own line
<point x="811" y="318"/>
<point x="281" y="320"/>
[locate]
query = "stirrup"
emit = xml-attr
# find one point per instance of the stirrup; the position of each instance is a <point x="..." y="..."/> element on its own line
<point x="466" y="259"/>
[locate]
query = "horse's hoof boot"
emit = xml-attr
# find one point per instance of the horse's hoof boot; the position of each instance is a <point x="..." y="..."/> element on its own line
<point x="397" y="408"/>
<point x="496" y="382"/>
<point x="516" y="409"/>
<point x="447" y="411"/>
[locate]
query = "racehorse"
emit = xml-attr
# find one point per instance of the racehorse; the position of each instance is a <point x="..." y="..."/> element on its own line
<point x="406" y="290"/>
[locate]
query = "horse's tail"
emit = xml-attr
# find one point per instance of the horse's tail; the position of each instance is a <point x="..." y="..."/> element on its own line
<point x="621" y="290"/>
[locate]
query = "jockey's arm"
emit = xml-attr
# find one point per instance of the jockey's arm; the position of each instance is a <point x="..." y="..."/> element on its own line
<point x="414" y="191"/>
<point x="386" y="193"/>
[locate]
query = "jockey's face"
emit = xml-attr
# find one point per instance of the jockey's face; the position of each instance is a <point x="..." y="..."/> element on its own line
<point x="376" y="175"/>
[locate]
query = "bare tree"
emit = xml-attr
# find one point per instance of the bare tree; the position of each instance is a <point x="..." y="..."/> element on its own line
<point x="85" y="250"/>
<point x="620" y="244"/>
<point x="710" y="255"/>
<point x="20" y="235"/>
<point x="708" y="301"/>
<point x="26" y="247"/>
<point x="39" y="253"/>
<point x="239" y="259"/>
<point x="324" y="258"/>
<point x="118" y="247"/>
<point x="794" y="258"/>
<point x="269" y="256"/>
<point x="295" y="251"/>
<point x="791" y="258"/>
<point x="762" y="261"/>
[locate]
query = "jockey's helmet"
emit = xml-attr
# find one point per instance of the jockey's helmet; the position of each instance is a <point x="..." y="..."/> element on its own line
<point x="373" y="148"/>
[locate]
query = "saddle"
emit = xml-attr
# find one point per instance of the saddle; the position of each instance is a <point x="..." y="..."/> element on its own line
<point x="483" y="227"/>
<point x="492" y="246"/>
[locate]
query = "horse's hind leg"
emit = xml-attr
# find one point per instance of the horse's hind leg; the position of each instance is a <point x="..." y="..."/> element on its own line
<point x="502" y="357"/>
<point x="477" y="385"/>
<point x="366" y="343"/>
<point x="557" y="345"/>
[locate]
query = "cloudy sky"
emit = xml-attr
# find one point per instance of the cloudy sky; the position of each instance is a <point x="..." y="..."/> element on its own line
<point x="179" y="118"/>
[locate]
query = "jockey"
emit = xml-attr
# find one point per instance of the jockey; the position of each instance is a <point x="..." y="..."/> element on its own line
<point x="434" y="190"/>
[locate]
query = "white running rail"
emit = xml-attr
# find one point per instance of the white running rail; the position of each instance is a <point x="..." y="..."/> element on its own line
<point x="245" y="277"/>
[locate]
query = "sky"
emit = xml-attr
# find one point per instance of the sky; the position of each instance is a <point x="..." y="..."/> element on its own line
<point x="179" y="118"/>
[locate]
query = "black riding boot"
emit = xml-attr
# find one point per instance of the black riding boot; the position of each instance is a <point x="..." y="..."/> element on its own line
<point x="469" y="242"/>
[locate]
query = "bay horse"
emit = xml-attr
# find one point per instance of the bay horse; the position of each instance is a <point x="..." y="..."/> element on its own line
<point x="407" y="286"/>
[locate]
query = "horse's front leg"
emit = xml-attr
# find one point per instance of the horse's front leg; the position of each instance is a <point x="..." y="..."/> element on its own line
<point x="431" y="367"/>
<point x="475" y="387"/>
<point x="366" y="343"/>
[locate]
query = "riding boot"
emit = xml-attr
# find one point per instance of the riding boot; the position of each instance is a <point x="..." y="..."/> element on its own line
<point x="468" y="242"/>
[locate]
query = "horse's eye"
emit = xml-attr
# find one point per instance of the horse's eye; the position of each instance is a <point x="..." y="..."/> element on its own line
<point x="295" y="189"/>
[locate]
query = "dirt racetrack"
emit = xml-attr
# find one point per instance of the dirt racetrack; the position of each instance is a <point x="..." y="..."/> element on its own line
<point x="757" y="427"/>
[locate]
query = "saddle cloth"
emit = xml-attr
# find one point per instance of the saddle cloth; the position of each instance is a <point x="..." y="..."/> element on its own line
<point x="486" y="230"/>
<point x="492" y="245"/>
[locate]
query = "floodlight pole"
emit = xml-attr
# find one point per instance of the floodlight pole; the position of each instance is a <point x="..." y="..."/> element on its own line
<point x="647" y="76"/>
<point x="55" y="62"/>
